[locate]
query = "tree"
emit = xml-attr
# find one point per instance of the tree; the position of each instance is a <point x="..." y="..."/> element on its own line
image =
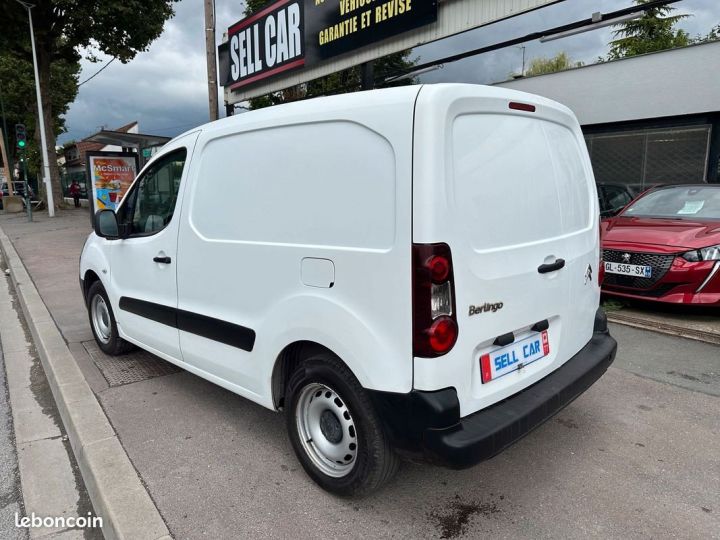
<point x="64" y="28"/>
<point x="18" y="87"/>
<point x="713" y="35"/>
<point x="560" y="62"/>
<point x="347" y="80"/>
<point x="653" y="31"/>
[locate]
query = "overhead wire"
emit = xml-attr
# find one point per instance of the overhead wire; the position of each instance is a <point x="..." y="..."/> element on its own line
<point x="98" y="71"/>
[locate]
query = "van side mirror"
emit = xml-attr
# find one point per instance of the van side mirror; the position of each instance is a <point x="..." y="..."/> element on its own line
<point x="106" y="225"/>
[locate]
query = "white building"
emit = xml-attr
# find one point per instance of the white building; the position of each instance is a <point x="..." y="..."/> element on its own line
<point x="648" y="119"/>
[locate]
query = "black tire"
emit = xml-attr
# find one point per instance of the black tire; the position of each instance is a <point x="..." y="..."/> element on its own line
<point x="113" y="344"/>
<point x="375" y="461"/>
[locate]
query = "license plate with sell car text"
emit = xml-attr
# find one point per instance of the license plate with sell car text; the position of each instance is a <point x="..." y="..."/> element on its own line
<point x="504" y="360"/>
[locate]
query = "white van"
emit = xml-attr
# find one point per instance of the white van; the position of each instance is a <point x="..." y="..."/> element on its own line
<point x="403" y="271"/>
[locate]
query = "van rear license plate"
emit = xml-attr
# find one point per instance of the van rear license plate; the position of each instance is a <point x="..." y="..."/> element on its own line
<point x="505" y="360"/>
<point x="628" y="269"/>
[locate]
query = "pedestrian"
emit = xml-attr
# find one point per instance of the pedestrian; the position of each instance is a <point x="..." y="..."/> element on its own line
<point x="75" y="193"/>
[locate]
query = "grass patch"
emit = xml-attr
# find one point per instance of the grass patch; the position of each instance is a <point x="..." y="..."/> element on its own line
<point x="613" y="305"/>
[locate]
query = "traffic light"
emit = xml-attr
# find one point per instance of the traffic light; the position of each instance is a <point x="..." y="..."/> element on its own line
<point x="20" y="136"/>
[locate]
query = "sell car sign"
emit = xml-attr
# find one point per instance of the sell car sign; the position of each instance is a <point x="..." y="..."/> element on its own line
<point x="291" y="34"/>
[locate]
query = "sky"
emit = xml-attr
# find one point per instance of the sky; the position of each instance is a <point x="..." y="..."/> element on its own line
<point x="165" y="87"/>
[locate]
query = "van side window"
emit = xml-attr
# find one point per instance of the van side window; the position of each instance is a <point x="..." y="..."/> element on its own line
<point x="151" y="204"/>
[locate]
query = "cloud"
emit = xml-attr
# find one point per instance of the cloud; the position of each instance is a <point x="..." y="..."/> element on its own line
<point x="586" y="47"/>
<point x="165" y="88"/>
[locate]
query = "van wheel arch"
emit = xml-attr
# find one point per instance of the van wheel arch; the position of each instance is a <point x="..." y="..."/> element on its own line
<point x="287" y="362"/>
<point x="89" y="278"/>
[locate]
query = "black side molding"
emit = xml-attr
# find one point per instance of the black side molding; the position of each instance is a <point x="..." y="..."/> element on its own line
<point x="150" y="310"/>
<point x="218" y="330"/>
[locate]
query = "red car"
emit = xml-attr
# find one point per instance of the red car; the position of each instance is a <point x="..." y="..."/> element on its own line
<point x="665" y="246"/>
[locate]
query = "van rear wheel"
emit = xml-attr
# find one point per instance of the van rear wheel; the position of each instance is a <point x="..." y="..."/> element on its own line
<point x="102" y="322"/>
<point x="334" y="429"/>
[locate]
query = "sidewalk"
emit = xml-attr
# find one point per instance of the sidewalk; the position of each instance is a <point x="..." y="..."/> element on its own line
<point x="702" y="324"/>
<point x="219" y="467"/>
<point x="37" y="460"/>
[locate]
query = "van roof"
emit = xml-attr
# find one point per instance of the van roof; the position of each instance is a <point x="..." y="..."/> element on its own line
<point x="343" y="103"/>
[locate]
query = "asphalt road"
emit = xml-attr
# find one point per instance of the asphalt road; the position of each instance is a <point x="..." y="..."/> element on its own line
<point x="636" y="456"/>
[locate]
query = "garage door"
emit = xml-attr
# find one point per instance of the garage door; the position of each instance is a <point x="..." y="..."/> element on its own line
<point x="647" y="157"/>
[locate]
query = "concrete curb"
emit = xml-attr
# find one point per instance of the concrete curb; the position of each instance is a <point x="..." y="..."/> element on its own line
<point x="115" y="489"/>
<point x="662" y="328"/>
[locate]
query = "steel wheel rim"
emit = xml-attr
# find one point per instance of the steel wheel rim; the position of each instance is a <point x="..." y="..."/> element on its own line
<point x="101" y="319"/>
<point x="326" y="430"/>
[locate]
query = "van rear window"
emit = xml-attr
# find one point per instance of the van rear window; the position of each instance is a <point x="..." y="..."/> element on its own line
<point x="518" y="180"/>
<point x="323" y="184"/>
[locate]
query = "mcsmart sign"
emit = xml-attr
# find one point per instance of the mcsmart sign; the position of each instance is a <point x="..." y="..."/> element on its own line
<point x="291" y="34"/>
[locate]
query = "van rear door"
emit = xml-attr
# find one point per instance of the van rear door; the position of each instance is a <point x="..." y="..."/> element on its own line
<point x="511" y="192"/>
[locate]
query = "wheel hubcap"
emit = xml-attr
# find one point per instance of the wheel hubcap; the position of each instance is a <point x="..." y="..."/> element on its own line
<point x="327" y="430"/>
<point x="101" y="318"/>
<point x="330" y="427"/>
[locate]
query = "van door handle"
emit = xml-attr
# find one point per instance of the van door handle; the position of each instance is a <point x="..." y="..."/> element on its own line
<point x="162" y="260"/>
<point x="551" y="267"/>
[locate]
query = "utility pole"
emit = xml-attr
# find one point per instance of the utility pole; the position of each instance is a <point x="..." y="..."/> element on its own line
<point x="6" y="163"/>
<point x="210" y="50"/>
<point x="26" y="184"/>
<point x="21" y="142"/>
<point x="41" y="116"/>
<point x="5" y="138"/>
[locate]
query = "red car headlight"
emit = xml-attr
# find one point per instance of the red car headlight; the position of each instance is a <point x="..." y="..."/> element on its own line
<point x="710" y="253"/>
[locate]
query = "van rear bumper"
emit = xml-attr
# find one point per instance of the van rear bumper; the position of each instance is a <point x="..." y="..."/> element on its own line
<point x="467" y="441"/>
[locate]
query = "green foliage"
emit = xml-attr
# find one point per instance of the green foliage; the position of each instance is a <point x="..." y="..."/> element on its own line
<point x="120" y="29"/>
<point x="654" y="31"/>
<point x="560" y="62"/>
<point x="348" y="80"/>
<point x="17" y="83"/>
<point x="62" y="29"/>
<point x="713" y="35"/>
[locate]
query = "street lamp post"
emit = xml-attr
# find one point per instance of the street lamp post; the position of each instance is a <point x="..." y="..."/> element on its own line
<point x="41" y="117"/>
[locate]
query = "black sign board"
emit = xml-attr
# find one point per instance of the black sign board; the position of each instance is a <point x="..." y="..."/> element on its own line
<point x="290" y="34"/>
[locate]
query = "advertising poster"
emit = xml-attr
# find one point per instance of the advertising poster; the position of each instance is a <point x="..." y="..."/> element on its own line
<point x="110" y="175"/>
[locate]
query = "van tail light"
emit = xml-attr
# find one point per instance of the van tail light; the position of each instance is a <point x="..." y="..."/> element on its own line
<point x="435" y="328"/>
<point x="601" y="266"/>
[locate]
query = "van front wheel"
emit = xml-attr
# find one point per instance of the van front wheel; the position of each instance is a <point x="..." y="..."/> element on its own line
<point x="102" y="322"/>
<point x="334" y="429"/>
